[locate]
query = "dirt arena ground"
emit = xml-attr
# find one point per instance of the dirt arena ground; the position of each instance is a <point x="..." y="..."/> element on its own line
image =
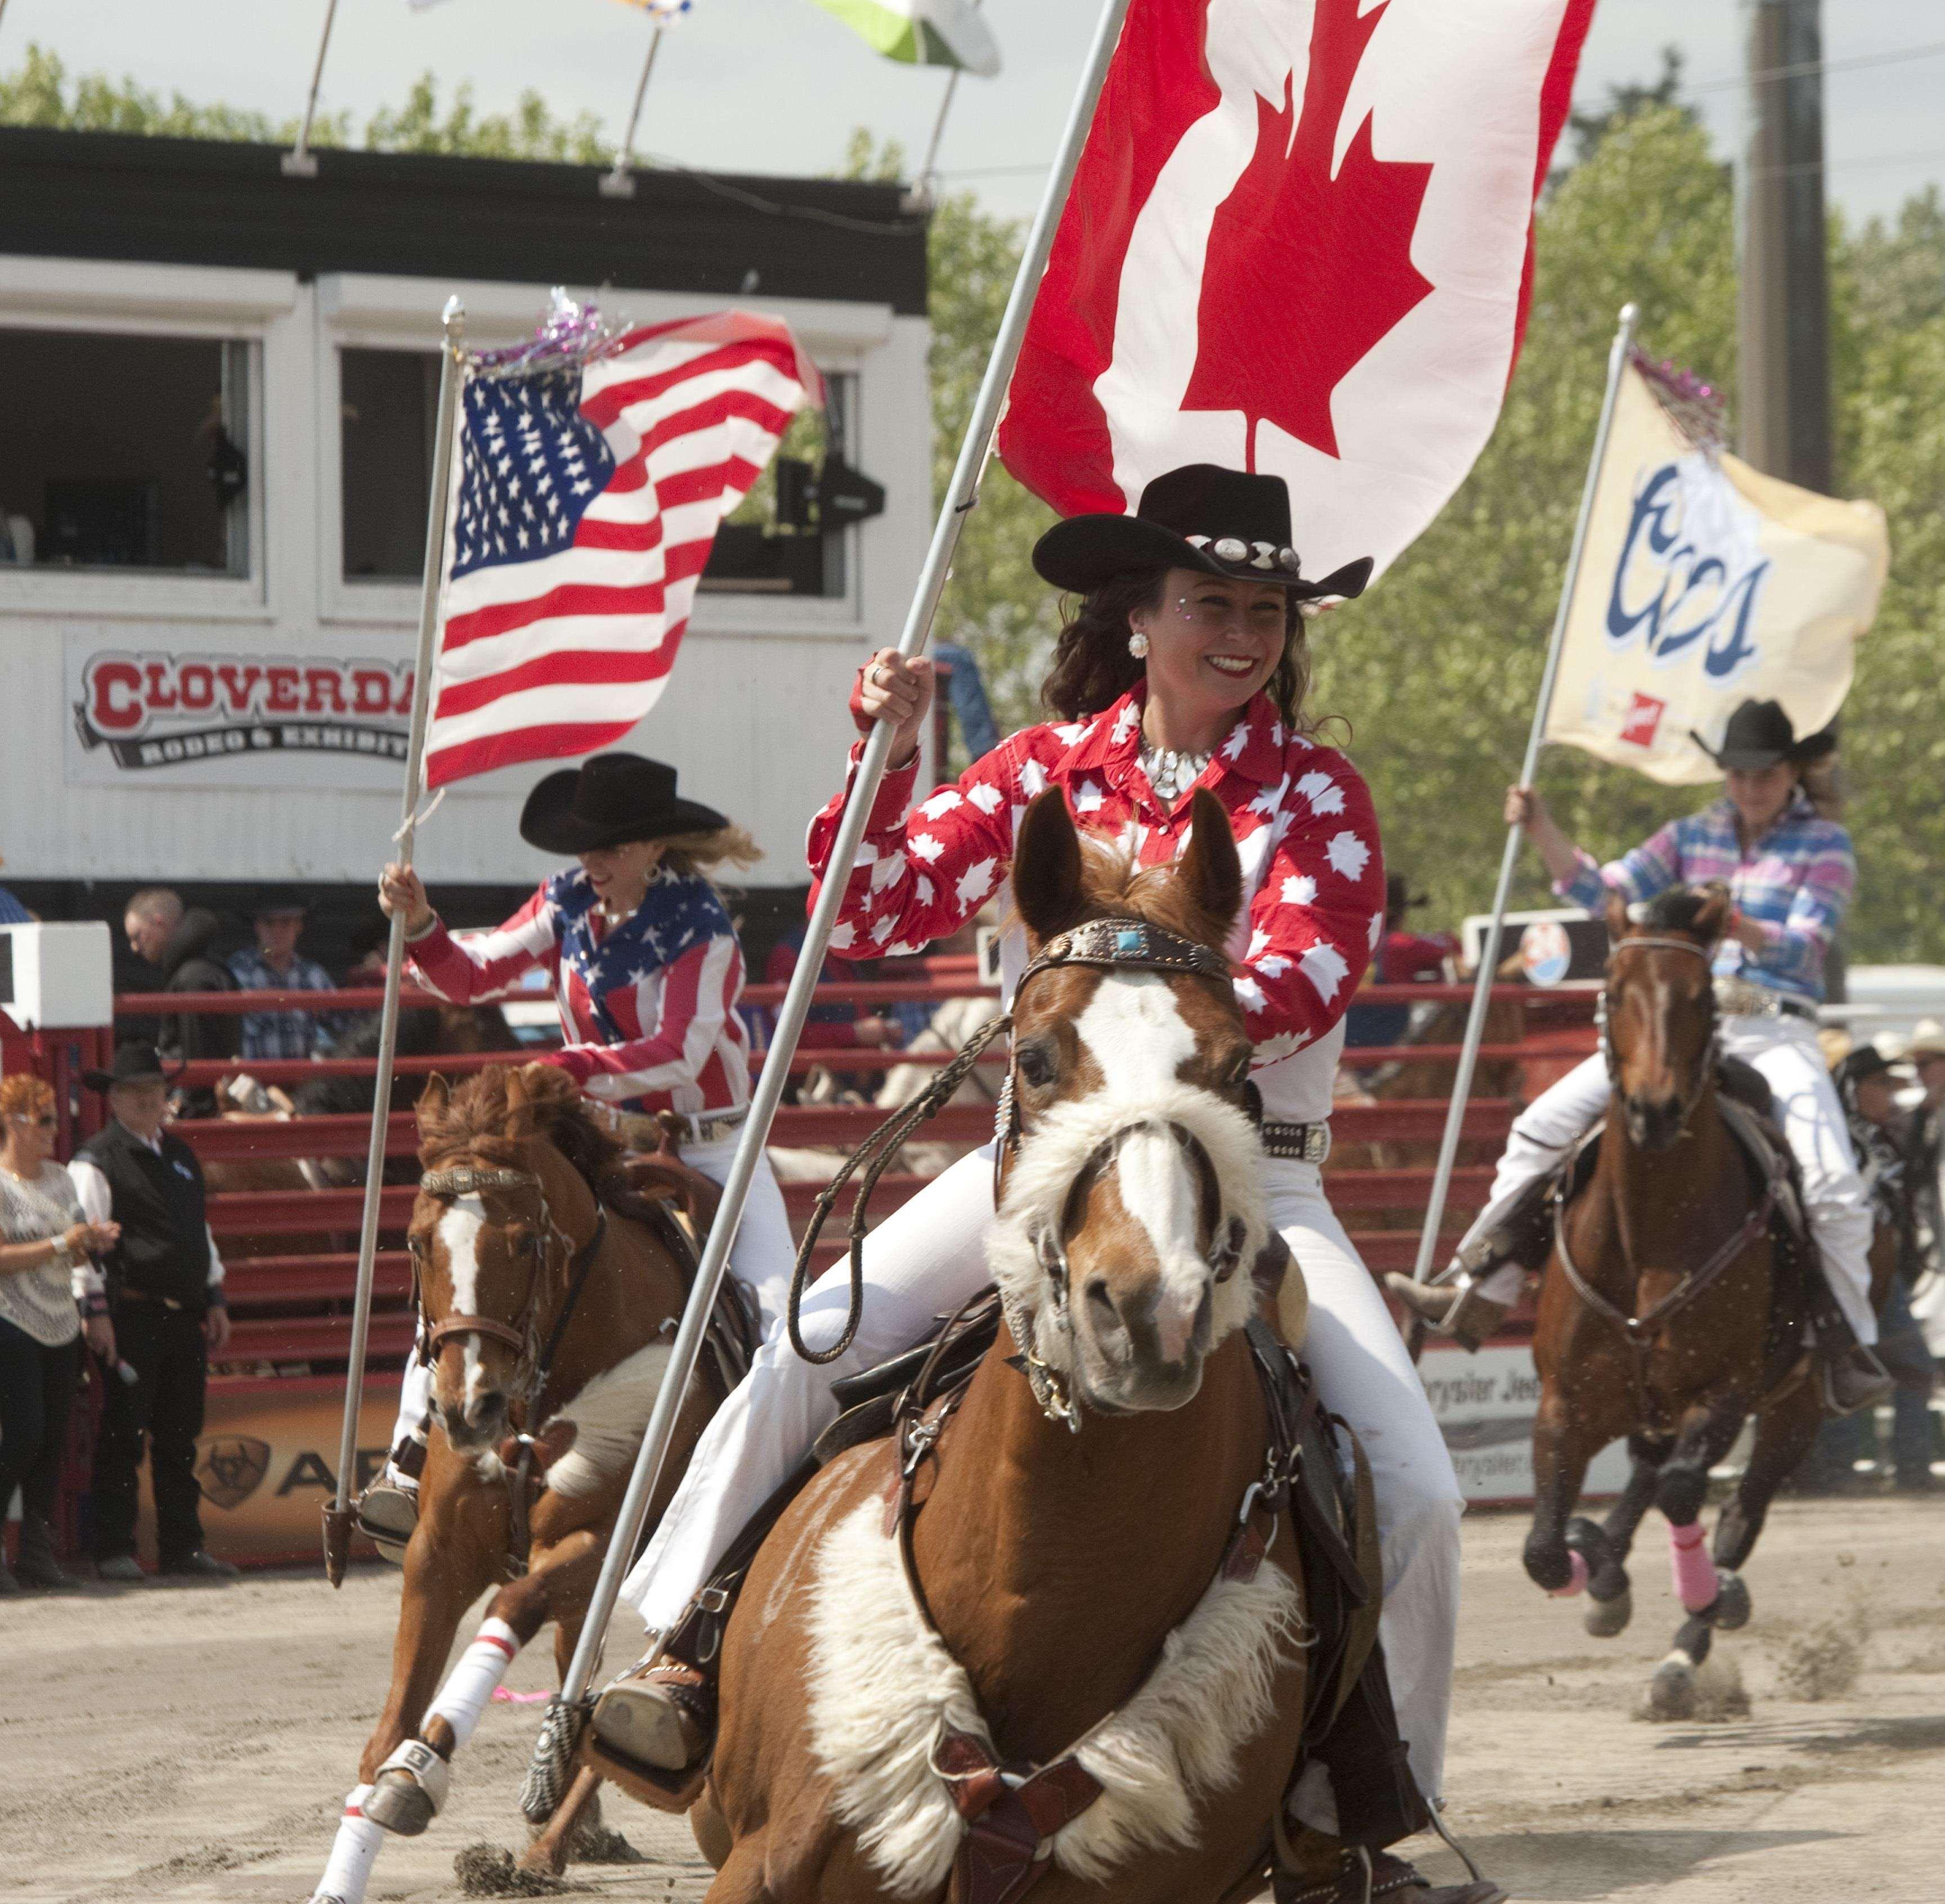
<point x="189" y="1744"/>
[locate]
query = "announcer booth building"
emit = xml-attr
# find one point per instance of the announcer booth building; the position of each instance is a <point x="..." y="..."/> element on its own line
<point x="220" y="385"/>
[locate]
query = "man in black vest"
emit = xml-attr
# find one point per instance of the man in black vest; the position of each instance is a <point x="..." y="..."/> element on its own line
<point x="154" y="1322"/>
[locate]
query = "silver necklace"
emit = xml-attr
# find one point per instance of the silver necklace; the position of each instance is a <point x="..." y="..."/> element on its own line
<point x="1169" y="771"/>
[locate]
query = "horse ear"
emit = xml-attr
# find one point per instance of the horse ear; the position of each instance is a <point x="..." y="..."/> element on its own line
<point x="433" y="1101"/>
<point x="1210" y="867"/>
<point x="1047" y="867"/>
<point x="1711" y="921"/>
<point x="1617" y="917"/>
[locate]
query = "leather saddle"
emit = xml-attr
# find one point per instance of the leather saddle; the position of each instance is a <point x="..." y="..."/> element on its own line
<point x="678" y="1204"/>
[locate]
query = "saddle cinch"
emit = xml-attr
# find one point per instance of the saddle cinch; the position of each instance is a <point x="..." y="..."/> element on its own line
<point x="1348" y="1724"/>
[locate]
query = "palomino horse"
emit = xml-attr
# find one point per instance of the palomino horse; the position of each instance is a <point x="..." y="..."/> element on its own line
<point x="1665" y="1314"/>
<point x="1050" y="1591"/>
<point x="547" y="1312"/>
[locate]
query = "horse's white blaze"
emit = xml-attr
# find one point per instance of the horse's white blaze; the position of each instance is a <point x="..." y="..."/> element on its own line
<point x="459" y="1230"/>
<point x="1134" y="1029"/>
<point x="1159" y="1190"/>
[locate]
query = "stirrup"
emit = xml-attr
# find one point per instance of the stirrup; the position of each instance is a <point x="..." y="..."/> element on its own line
<point x="410" y="1790"/>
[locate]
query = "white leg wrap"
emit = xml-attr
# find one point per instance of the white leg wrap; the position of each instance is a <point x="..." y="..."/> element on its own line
<point x="471" y="1683"/>
<point x="353" y="1851"/>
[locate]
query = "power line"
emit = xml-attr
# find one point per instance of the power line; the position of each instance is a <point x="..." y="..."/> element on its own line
<point x="1855" y="63"/>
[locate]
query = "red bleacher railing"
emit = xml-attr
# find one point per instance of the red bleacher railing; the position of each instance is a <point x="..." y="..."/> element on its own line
<point x="291" y="1249"/>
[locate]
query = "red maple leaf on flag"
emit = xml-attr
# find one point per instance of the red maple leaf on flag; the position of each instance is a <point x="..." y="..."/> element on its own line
<point x="1306" y="272"/>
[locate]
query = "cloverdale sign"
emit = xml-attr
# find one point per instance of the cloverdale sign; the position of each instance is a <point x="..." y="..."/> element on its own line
<point x="235" y="719"/>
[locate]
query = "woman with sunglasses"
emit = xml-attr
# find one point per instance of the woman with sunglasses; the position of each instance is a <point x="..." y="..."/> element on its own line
<point x="44" y="1241"/>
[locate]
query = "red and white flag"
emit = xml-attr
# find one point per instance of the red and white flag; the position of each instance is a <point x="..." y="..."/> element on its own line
<point x="584" y="498"/>
<point x="1299" y="241"/>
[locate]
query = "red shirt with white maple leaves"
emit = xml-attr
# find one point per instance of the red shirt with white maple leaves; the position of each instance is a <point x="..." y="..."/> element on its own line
<point x="1313" y="873"/>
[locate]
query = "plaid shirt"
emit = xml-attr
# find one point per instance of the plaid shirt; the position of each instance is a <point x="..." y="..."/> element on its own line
<point x="1794" y="883"/>
<point x="283" y="1034"/>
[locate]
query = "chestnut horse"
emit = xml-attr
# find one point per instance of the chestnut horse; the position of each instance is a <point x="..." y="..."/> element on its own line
<point x="1665" y="1315"/>
<point x="1073" y="1611"/>
<point x="548" y="1314"/>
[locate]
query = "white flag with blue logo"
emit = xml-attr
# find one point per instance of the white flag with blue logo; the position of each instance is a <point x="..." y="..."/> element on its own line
<point x="1705" y="583"/>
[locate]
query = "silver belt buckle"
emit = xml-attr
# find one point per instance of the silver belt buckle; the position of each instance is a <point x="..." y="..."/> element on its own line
<point x="1312" y="1143"/>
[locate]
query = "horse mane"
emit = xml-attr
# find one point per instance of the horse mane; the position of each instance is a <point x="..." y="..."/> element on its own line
<point x="1676" y="908"/>
<point x="479" y="1117"/>
<point x="1113" y="885"/>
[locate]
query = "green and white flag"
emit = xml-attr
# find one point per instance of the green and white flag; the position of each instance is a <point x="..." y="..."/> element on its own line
<point x="922" y="32"/>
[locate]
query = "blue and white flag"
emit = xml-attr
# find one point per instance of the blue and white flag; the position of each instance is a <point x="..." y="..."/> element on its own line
<point x="1704" y="583"/>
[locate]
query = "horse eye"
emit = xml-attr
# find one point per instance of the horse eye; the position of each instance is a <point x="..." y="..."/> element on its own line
<point x="1036" y="1062"/>
<point x="1237" y="1074"/>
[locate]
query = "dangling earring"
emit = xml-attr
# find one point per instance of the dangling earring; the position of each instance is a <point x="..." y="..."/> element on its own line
<point x="1138" y="646"/>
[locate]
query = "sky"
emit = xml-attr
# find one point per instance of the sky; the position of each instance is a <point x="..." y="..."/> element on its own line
<point x="778" y="85"/>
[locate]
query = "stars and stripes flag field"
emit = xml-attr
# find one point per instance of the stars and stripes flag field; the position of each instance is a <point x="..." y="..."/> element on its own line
<point x="584" y="498"/>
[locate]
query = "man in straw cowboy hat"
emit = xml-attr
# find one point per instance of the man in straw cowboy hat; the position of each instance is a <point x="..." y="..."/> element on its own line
<point x="1792" y="874"/>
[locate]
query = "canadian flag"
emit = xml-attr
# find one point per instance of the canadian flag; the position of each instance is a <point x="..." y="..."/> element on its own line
<point x="1299" y="241"/>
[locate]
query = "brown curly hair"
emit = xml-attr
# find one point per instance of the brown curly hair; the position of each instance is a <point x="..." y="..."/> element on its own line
<point x="1093" y="668"/>
<point x="25" y="1095"/>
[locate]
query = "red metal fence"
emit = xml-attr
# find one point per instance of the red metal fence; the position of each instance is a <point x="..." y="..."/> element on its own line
<point x="291" y="1249"/>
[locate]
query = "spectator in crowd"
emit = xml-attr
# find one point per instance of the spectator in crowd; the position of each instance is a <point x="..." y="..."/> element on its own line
<point x="174" y="942"/>
<point x="45" y="1240"/>
<point x="274" y="964"/>
<point x="1866" y="1086"/>
<point x="12" y="913"/>
<point x="1925" y="1143"/>
<point x="830" y="1028"/>
<point x="965" y="694"/>
<point x="1403" y="958"/>
<point x="163" y="1303"/>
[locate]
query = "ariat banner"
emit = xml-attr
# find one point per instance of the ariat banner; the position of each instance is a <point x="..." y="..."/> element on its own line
<point x="1704" y="583"/>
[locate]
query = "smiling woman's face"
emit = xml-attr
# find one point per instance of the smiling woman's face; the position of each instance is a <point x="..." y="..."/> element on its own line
<point x="1213" y="642"/>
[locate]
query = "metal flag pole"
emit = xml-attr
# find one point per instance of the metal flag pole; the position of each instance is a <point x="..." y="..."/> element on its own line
<point x="301" y="162"/>
<point x="1489" y="949"/>
<point x="929" y="171"/>
<point x="620" y="183"/>
<point x="959" y="500"/>
<point x="338" y="1515"/>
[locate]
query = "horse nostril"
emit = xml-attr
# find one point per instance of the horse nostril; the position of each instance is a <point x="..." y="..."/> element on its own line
<point x="1100" y="1304"/>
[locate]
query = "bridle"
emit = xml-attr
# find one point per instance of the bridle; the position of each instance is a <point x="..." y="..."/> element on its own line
<point x="1122" y="944"/>
<point x="1604" y="1015"/>
<point x="522" y="1335"/>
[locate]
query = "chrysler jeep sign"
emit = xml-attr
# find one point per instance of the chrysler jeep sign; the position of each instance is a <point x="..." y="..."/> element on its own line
<point x="145" y="717"/>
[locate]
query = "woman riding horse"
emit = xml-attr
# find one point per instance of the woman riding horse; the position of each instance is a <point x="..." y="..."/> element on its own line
<point x="647" y="970"/>
<point x="1792" y="874"/>
<point x="1184" y="666"/>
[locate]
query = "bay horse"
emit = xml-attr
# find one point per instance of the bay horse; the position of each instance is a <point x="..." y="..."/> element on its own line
<point x="551" y="1315"/>
<point x="1050" y="1590"/>
<point x="1665" y="1314"/>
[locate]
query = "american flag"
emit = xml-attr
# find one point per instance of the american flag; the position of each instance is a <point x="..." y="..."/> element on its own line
<point x="584" y="502"/>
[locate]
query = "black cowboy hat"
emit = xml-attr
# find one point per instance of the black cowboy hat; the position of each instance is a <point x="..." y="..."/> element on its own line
<point x="607" y="800"/>
<point x="1199" y="517"/>
<point x="1866" y="1061"/>
<point x="1759" y="733"/>
<point x="281" y="905"/>
<point x="132" y="1064"/>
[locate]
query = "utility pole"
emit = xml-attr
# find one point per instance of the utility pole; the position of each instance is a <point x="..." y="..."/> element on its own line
<point x="1785" y="292"/>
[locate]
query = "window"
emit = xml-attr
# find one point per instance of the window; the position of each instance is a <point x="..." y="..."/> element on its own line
<point x="125" y="452"/>
<point x="388" y="406"/>
<point x="388" y="410"/>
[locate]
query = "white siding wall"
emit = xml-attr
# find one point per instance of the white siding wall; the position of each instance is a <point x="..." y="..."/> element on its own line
<point x="753" y="717"/>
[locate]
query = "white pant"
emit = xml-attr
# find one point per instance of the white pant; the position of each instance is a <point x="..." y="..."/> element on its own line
<point x="763" y="1258"/>
<point x="1785" y="1050"/>
<point x="928" y="1257"/>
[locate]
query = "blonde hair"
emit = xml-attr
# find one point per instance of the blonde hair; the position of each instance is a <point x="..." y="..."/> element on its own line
<point x="687" y="853"/>
<point x="25" y="1095"/>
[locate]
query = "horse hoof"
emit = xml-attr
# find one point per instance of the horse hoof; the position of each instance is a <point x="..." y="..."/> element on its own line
<point x="399" y="1806"/>
<point x="1732" y="1603"/>
<point x="1605" y="1618"/>
<point x="1671" y="1693"/>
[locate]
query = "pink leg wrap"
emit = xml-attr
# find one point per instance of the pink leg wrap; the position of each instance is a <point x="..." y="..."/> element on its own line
<point x="1577" y="1581"/>
<point x="1695" y="1584"/>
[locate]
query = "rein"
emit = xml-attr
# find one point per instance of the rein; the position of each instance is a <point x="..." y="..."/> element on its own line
<point x="1130" y="944"/>
<point x="1641" y="1332"/>
<point x="536" y="1356"/>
